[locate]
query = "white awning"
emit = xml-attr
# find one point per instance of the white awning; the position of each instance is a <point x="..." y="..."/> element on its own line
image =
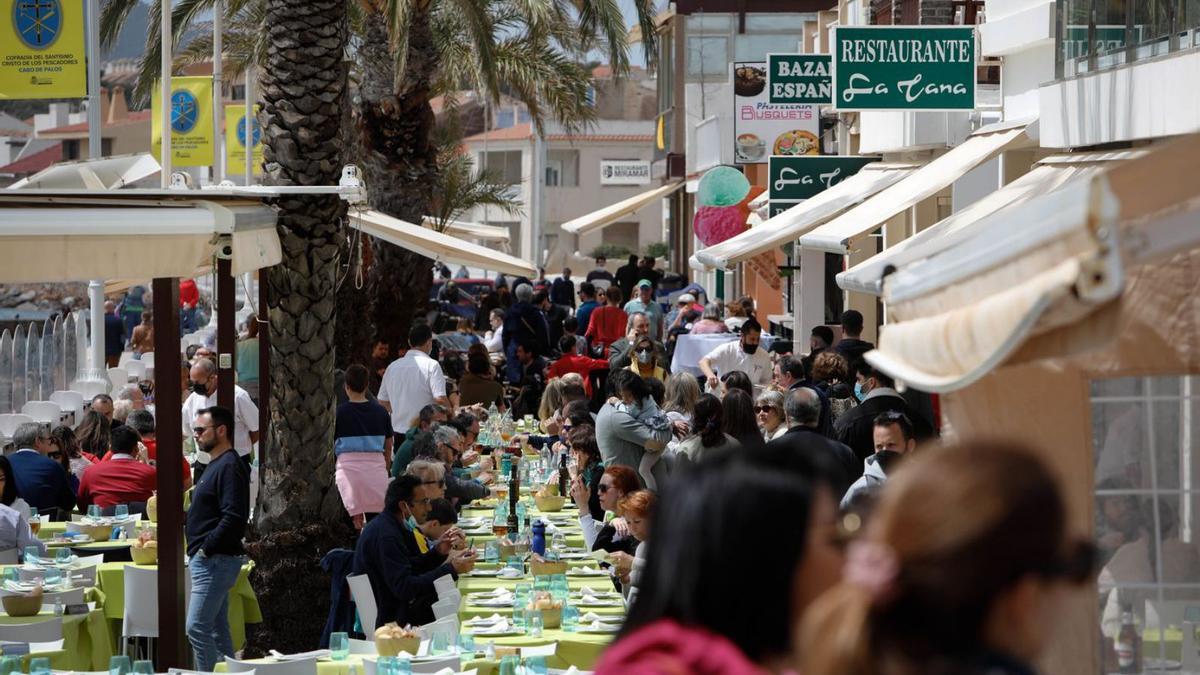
<point x="1046" y="263"/>
<point x="49" y="238"/>
<point x="470" y="230"/>
<point x="1046" y="176"/>
<point x="608" y="215"/>
<point x="437" y="245"/>
<point x="796" y="221"/>
<point x="837" y="235"/>
<point x="105" y="173"/>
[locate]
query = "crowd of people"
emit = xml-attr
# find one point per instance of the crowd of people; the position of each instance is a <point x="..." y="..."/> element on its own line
<point x="806" y="472"/>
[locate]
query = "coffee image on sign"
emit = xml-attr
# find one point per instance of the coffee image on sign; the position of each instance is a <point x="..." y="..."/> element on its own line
<point x="38" y="22"/>
<point x="750" y="147"/>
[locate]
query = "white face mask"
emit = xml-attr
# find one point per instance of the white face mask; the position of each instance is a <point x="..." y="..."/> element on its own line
<point x="644" y="356"/>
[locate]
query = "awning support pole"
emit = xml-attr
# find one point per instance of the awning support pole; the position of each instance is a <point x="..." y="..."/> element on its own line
<point x="99" y="369"/>
<point x="226" y="332"/>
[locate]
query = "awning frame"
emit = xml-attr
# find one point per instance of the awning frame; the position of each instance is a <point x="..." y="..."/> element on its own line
<point x="602" y="218"/>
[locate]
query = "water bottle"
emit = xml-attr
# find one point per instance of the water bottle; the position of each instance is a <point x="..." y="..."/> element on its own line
<point x="58" y="606"/>
<point x="538" y="545"/>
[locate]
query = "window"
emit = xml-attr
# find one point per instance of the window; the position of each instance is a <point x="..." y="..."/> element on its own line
<point x="708" y="58"/>
<point x="1100" y="34"/>
<point x="71" y="150"/>
<point x="562" y="168"/>
<point x="505" y="166"/>
<point x="1147" y="500"/>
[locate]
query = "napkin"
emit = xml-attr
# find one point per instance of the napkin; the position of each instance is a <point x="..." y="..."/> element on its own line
<point x="599" y="619"/>
<point x="588" y="571"/>
<point x="500" y="627"/>
<point x="510" y="573"/>
<point x="505" y="599"/>
<point x="303" y="656"/>
<point x="483" y="620"/>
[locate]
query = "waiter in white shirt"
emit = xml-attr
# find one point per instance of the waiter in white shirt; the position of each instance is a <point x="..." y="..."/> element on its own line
<point x="413" y="382"/>
<point x="745" y="355"/>
<point x="203" y="376"/>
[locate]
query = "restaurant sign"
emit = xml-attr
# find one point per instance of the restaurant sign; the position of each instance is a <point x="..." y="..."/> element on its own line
<point x="799" y="78"/>
<point x="796" y="178"/>
<point x="904" y="68"/>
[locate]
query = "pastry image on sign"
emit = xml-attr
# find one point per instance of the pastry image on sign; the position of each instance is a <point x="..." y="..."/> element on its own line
<point x="749" y="81"/>
<point x="797" y="142"/>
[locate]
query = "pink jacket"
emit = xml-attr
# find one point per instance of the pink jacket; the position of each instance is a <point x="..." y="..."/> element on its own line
<point x="668" y="648"/>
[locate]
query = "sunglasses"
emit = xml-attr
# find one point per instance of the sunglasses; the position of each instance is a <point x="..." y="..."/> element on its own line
<point x="763" y="408"/>
<point x="602" y="488"/>
<point x="55" y="455"/>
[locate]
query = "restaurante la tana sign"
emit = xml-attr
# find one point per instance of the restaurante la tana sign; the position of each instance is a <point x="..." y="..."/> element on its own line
<point x="904" y="68"/>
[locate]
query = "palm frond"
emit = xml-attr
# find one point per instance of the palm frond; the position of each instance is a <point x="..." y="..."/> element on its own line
<point x="647" y="22"/>
<point x="461" y="188"/>
<point x="399" y="16"/>
<point x="602" y="21"/>
<point x="113" y="17"/>
<point x="549" y="83"/>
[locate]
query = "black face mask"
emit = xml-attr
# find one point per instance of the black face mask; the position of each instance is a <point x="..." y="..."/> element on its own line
<point x="749" y="349"/>
<point x="200" y="388"/>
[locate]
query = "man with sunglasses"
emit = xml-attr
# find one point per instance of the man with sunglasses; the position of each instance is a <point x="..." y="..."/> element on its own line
<point x="41" y="481"/>
<point x="894" y="438"/>
<point x="401" y="575"/>
<point x="216" y="524"/>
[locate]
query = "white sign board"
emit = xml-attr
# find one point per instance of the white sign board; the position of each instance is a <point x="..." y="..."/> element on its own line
<point x="762" y="128"/>
<point x="624" y="172"/>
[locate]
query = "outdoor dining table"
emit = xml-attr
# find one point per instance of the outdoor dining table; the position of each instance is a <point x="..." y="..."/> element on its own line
<point x="87" y="640"/>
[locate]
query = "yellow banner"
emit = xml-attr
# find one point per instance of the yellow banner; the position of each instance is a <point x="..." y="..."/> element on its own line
<point x="191" y="121"/>
<point x="235" y="141"/>
<point x="41" y="49"/>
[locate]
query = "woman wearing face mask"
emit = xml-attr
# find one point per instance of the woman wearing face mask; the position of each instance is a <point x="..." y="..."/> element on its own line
<point x="694" y="613"/>
<point x="645" y="362"/>
<point x="962" y="571"/>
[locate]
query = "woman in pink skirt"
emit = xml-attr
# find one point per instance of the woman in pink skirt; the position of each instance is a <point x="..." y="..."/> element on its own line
<point x="363" y="445"/>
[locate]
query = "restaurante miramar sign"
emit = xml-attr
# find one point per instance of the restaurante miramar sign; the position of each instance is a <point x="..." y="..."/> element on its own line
<point x="904" y="68"/>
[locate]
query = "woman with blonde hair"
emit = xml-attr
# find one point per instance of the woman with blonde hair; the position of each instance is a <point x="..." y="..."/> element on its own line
<point x="552" y="398"/>
<point x="961" y="571"/>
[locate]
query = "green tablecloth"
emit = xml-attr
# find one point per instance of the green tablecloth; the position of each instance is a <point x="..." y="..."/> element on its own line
<point x="243" y="603"/>
<point x="87" y="642"/>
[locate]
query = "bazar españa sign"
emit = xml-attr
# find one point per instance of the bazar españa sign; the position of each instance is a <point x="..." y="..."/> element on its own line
<point x="41" y="49"/>
<point x="904" y="68"/>
<point x="796" y="178"/>
<point x="799" y="78"/>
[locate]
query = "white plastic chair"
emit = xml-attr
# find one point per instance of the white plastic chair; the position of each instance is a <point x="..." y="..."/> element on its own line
<point x="9" y="556"/>
<point x="148" y="359"/>
<point x="443" y="585"/>
<point x="136" y="369"/>
<point x="73" y="596"/>
<point x="369" y="663"/>
<point x="448" y="626"/>
<point x="90" y="389"/>
<point x="85" y="576"/>
<point x="452" y="662"/>
<point x="444" y="608"/>
<point x="450" y="596"/>
<point x="364" y="600"/>
<point x="43" y="631"/>
<point x="69" y="401"/>
<point x="10" y="422"/>
<point x="118" y="377"/>
<point x="362" y="647"/>
<point x="46" y="412"/>
<point x="304" y="667"/>
<point x="141" y="604"/>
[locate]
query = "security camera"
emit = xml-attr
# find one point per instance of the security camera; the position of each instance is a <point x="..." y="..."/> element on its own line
<point x="225" y="249"/>
<point x="181" y="181"/>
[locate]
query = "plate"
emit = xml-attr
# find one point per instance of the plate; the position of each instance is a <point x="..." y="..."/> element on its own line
<point x="603" y="630"/>
<point x="492" y="602"/>
<point x="507" y="633"/>
<point x="482" y="573"/>
<point x="586" y="572"/>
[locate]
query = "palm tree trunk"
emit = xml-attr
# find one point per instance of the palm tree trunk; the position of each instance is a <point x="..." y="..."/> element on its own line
<point x="395" y="121"/>
<point x="303" y="102"/>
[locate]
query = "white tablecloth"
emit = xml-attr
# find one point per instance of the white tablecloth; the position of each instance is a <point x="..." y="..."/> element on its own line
<point x="689" y="349"/>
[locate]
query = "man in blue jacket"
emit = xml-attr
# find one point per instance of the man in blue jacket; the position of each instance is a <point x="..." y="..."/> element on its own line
<point x="524" y="323"/>
<point x="400" y="564"/>
<point x="41" y="481"/>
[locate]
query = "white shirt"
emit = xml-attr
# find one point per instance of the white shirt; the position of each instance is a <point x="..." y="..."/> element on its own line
<point x="494" y="341"/>
<point x="245" y="419"/>
<point x="15" y="532"/>
<point x="409" y="384"/>
<point x="729" y="357"/>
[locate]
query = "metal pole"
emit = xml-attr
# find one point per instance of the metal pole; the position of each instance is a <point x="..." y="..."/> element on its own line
<point x="226" y="332"/>
<point x="218" y="95"/>
<point x="99" y="369"/>
<point x="250" y="119"/>
<point x="165" y="93"/>
<point x="95" y="147"/>
<point x="172" y="652"/>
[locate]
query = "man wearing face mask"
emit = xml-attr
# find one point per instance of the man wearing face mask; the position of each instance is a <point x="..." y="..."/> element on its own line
<point x="878" y="394"/>
<point x="745" y="355"/>
<point x="203" y="376"/>
<point x="401" y="575"/>
<point x="621" y="355"/>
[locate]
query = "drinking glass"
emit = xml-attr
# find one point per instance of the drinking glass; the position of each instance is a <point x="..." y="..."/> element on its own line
<point x="385" y="665"/>
<point x="118" y="665"/>
<point x="11" y="665"/>
<point x="466" y="644"/>
<point x="143" y="667"/>
<point x="541" y="583"/>
<point x="558" y="542"/>
<point x="32" y="554"/>
<point x="439" y="643"/>
<point x="53" y="577"/>
<point x="534" y="619"/>
<point x="93" y="511"/>
<point x="33" y="512"/>
<point x="122" y="511"/>
<point x="491" y="552"/>
<point x="570" y="618"/>
<point x="509" y="665"/>
<point x="522" y="593"/>
<point x="559" y="588"/>
<point x="519" y="616"/>
<point x="11" y="575"/>
<point x="62" y="556"/>
<point x="516" y="563"/>
<point x="339" y="646"/>
<point x="403" y="666"/>
<point x="535" y="665"/>
<point x="39" y="666"/>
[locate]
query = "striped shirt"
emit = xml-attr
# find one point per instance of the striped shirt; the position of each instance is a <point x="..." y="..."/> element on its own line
<point x="361" y="427"/>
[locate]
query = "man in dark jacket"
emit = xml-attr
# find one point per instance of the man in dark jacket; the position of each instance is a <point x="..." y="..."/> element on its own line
<point x="851" y="345"/>
<point x="856" y="427"/>
<point x="627" y="276"/>
<point x="401" y="574"/>
<point x="525" y="323"/>
<point x="803" y="437"/>
<point x="40" y="481"/>
<point x="562" y="289"/>
<point x="555" y="315"/>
